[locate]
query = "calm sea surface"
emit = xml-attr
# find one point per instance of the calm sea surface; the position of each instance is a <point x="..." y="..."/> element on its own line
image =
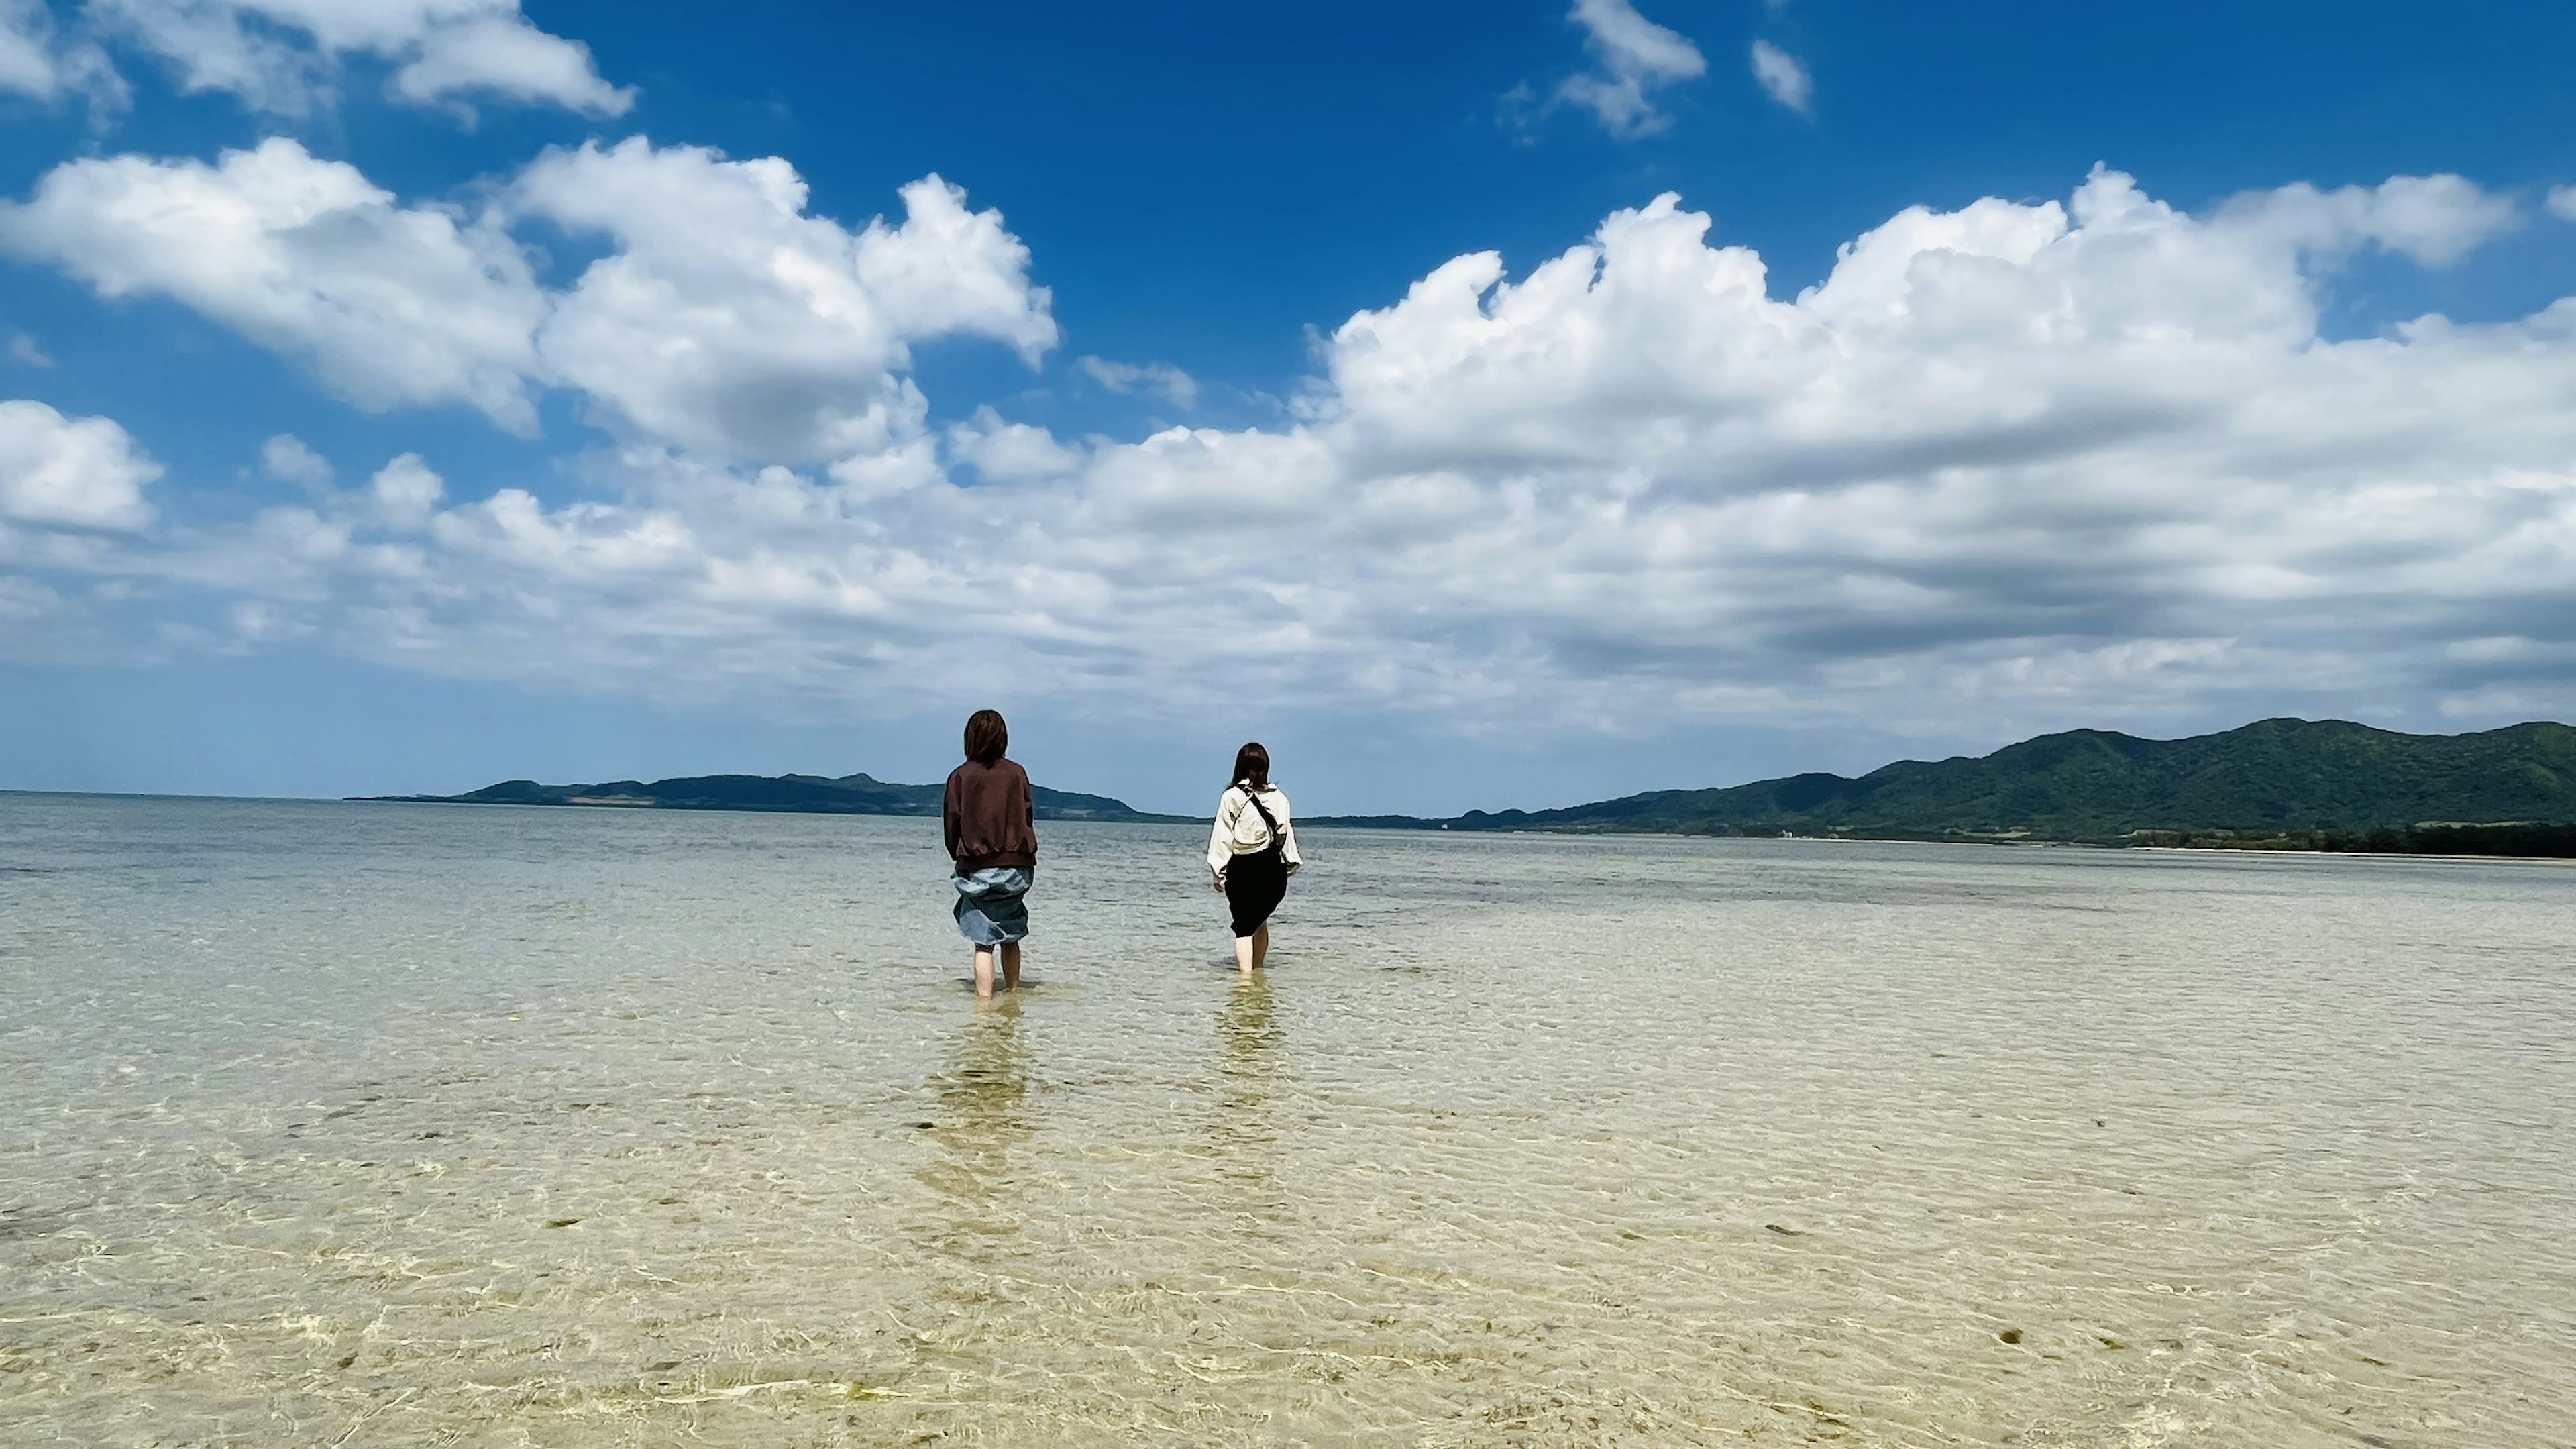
<point x="383" y="1124"/>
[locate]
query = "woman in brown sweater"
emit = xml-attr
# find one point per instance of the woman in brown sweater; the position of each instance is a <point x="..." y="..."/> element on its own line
<point x="990" y="822"/>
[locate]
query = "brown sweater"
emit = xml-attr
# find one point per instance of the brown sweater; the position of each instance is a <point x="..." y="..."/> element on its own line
<point x="989" y="817"/>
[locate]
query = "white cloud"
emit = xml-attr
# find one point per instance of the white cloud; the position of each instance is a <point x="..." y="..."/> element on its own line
<point x="726" y="319"/>
<point x="1176" y="386"/>
<point x="2562" y="202"/>
<point x="730" y="321"/>
<point x="26" y="49"/>
<point x="1007" y="452"/>
<point x="1635" y="58"/>
<point x="389" y="305"/>
<point x="283" y="56"/>
<point x="84" y="472"/>
<point x="26" y="350"/>
<point x="506" y="56"/>
<point x="2009" y="467"/>
<point x="37" y="62"/>
<point x="1783" y="78"/>
<point x="405" y="493"/>
<point x="286" y="458"/>
<point x="2435" y="220"/>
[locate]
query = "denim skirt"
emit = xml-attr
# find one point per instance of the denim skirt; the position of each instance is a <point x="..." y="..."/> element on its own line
<point x="992" y="904"/>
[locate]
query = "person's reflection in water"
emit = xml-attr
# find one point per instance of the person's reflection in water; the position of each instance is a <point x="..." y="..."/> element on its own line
<point x="982" y="1092"/>
<point x="1242" y="1134"/>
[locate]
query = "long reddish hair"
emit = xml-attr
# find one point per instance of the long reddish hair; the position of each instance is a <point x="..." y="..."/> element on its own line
<point x="1252" y="766"/>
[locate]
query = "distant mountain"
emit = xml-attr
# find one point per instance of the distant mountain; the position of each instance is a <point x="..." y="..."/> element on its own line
<point x="2287" y="781"/>
<point x="798" y="794"/>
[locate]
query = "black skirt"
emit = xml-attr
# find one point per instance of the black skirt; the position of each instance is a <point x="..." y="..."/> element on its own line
<point x="1255" y="882"/>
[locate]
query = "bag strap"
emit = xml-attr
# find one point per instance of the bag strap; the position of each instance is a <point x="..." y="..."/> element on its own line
<point x="1255" y="797"/>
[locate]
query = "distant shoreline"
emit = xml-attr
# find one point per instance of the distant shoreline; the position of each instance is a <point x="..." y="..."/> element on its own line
<point x="637" y="807"/>
<point x="859" y="794"/>
<point x="2284" y="785"/>
<point x="2432" y="841"/>
<point x="2463" y="842"/>
<point x="2309" y="786"/>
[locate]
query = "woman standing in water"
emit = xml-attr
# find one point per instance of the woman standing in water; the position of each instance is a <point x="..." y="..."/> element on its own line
<point x="990" y="821"/>
<point x="1252" y="852"/>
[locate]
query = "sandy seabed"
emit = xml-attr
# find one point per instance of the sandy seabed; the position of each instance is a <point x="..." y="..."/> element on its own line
<point x="377" y="1124"/>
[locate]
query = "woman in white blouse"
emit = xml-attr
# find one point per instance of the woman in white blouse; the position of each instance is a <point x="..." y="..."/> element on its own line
<point x="1251" y="853"/>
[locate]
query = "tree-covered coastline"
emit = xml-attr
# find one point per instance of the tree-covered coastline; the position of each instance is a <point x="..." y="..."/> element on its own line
<point x="2519" y="839"/>
<point x="2282" y="784"/>
<point x="859" y="794"/>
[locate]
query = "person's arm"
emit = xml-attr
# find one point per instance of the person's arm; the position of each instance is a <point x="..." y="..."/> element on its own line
<point x="1029" y="810"/>
<point x="948" y="816"/>
<point x="1221" y="839"/>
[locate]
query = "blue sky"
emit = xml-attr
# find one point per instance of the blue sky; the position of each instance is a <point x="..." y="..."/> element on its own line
<point x="1160" y="439"/>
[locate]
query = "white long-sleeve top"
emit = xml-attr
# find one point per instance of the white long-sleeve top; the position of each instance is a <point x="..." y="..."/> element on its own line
<point x="1239" y="830"/>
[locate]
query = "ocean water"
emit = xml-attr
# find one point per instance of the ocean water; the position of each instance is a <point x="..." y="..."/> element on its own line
<point x="383" y="1124"/>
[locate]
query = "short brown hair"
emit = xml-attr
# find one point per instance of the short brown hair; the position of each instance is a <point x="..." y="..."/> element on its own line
<point x="986" y="736"/>
<point x="1252" y="766"/>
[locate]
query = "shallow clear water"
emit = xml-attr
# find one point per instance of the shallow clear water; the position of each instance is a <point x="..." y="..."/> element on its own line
<point x="380" y="1124"/>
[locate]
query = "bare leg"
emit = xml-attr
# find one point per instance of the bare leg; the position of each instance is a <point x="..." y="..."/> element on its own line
<point x="984" y="971"/>
<point x="1010" y="966"/>
<point x="1243" y="955"/>
<point x="1261" y="946"/>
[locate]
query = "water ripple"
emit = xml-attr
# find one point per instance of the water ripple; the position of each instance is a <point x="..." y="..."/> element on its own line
<point x="388" y="1125"/>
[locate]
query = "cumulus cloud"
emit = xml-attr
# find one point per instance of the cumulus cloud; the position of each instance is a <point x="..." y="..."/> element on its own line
<point x="1176" y="386"/>
<point x="1782" y="78"/>
<point x="405" y="493"/>
<point x="1009" y="452"/>
<point x="2008" y="466"/>
<point x="725" y="318"/>
<point x="286" y="458"/>
<point x="83" y="472"/>
<point x="389" y="305"/>
<point x="502" y="54"/>
<point x="1633" y="58"/>
<point x="2435" y="220"/>
<point x="283" y="56"/>
<point x="729" y="320"/>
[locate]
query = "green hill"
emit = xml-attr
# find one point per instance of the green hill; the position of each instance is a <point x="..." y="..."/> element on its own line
<point x="2286" y="780"/>
<point x="801" y="794"/>
<point x="2283" y="782"/>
